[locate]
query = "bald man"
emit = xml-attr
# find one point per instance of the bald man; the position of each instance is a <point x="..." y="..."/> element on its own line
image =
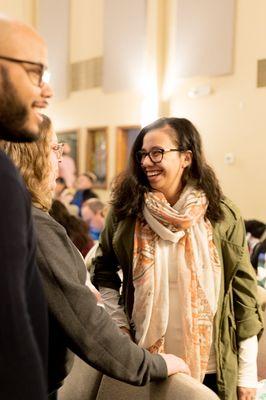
<point x="23" y="318"/>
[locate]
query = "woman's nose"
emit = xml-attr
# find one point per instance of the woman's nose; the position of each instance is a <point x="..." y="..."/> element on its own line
<point x="146" y="161"/>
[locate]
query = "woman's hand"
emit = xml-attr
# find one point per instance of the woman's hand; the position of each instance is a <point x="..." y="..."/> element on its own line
<point x="175" y="364"/>
<point x="244" y="393"/>
<point x="125" y="330"/>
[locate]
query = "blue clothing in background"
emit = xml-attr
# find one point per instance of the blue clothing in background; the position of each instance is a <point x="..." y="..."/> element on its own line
<point x="94" y="233"/>
<point x="82" y="195"/>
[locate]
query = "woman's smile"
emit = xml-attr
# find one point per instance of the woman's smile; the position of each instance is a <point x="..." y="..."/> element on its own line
<point x="153" y="174"/>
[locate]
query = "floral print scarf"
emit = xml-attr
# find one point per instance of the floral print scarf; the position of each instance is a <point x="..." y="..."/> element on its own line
<point x="186" y="226"/>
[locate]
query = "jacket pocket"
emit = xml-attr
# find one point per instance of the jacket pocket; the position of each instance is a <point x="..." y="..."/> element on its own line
<point x="232" y="333"/>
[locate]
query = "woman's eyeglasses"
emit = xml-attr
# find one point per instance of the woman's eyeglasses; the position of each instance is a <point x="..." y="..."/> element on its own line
<point x="58" y="149"/>
<point x="155" y="155"/>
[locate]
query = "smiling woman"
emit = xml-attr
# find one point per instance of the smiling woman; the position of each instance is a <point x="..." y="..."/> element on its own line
<point x="177" y="239"/>
<point x="186" y="163"/>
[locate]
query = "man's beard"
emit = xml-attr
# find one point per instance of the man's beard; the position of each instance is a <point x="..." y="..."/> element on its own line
<point x="13" y="114"/>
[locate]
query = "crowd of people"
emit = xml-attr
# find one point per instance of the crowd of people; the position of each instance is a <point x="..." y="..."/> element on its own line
<point x="79" y="205"/>
<point x="170" y="257"/>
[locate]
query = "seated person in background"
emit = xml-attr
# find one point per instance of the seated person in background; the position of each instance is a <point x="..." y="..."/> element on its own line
<point x="255" y="233"/>
<point x="67" y="167"/>
<point x="92" y="214"/>
<point x="76" y="324"/>
<point x="75" y="227"/>
<point x="258" y="260"/>
<point x="66" y="198"/>
<point x="60" y="187"/>
<point x="84" y="190"/>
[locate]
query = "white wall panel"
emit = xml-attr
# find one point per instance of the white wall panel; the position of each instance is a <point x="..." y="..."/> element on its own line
<point x="124" y="44"/>
<point x="86" y="40"/>
<point x="23" y="10"/>
<point x="53" y="24"/>
<point x="204" y="37"/>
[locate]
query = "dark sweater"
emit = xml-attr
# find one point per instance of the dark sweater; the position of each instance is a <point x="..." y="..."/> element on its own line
<point x="76" y="322"/>
<point x="23" y="329"/>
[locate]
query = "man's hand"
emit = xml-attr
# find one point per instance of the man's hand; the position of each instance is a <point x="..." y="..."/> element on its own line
<point x="175" y="364"/>
<point x="246" y="393"/>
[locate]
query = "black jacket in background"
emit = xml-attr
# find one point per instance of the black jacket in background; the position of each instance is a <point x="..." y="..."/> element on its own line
<point x="23" y="314"/>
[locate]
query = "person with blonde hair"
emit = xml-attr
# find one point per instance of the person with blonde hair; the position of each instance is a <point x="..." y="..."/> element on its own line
<point x="77" y="324"/>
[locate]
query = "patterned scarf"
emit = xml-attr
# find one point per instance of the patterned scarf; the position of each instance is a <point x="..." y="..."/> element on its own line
<point x="199" y="275"/>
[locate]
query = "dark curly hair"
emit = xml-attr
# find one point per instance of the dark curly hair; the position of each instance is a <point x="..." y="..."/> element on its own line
<point x="129" y="187"/>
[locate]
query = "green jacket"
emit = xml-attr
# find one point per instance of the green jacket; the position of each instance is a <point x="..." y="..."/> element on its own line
<point x="238" y="315"/>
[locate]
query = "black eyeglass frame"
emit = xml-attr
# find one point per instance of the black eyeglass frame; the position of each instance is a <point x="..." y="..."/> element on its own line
<point x="16" y="60"/>
<point x="141" y="155"/>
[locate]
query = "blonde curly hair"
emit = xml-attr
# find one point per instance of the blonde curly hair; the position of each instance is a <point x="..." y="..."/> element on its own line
<point x="33" y="161"/>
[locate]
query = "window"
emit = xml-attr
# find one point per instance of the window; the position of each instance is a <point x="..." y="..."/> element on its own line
<point x="125" y="139"/>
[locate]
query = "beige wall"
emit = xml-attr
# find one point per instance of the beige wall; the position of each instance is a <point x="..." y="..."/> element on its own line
<point x="233" y="118"/>
<point x="86" y="20"/>
<point x="20" y="9"/>
<point x="92" y="108"/>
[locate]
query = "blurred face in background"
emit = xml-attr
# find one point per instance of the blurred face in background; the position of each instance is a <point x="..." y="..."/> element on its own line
<point x="55" y="158"/>
<point x="67" y="149"/>
<point x="83" y="182"/>
<point x="87" y="214"/>
<point x="60" y="186"/>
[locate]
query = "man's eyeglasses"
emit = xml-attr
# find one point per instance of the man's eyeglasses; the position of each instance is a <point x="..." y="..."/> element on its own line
<point x="58" y="149"/>
<point x="155" y="155"/>
<point x="37" y="72"/>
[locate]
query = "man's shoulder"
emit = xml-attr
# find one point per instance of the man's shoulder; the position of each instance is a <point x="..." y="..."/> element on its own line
<point x="15" y="202"/>
<point x="10" y="178"/>
<point x="6" y="165"/>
